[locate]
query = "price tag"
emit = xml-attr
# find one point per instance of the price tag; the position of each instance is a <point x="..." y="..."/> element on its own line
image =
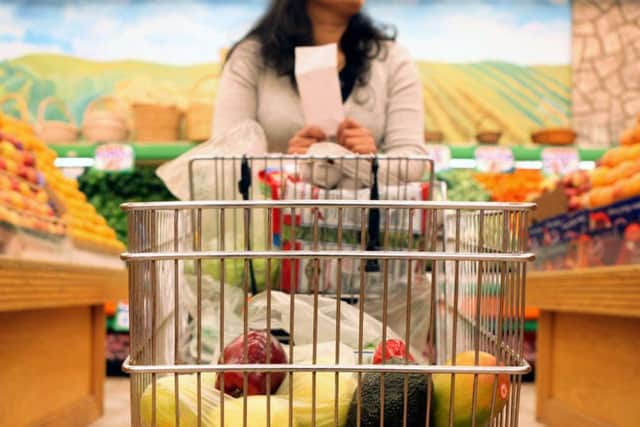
<point x="560" y="160"/>
<point x="441" y="155"/>
<point x="114" y="157"/>
<point x="122" y="321"/>
<point x="494" y="159"/>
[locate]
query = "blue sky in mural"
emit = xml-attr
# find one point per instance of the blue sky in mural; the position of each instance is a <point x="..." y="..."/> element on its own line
<point x="189" y="32"/>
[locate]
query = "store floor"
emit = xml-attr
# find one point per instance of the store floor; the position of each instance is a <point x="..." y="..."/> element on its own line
<point x="116" y="406"/>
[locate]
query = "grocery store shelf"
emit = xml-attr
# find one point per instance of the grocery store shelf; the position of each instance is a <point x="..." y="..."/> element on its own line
<point x="27" y="285"/>
<point x="159" y="152"/>
<point x="611" y="291"/>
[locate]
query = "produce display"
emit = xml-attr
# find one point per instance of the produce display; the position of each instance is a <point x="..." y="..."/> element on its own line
<point x="462" y="187"/>
<point x="45" y="193"/>
<point x="301" y="387"/>
<point x="575" y="185"/>
<point x="520" y="185"/>
<point x="24" y="202"/>
<point x="106" y="191"/>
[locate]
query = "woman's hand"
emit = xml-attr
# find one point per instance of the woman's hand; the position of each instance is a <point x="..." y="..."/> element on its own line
<point x="356" y="138"/>
<point x="305" y="138"/>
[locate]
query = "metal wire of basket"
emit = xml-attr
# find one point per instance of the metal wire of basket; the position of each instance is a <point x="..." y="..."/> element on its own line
<point x="470" y="257"/>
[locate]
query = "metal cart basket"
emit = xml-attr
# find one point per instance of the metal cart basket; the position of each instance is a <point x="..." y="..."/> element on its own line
<point x="230" y="260"/>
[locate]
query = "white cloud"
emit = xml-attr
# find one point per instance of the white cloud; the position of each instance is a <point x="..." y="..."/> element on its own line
<point x="9" y="25"/>
<point x="11" y="50"/>
<point x="492" y="36"/>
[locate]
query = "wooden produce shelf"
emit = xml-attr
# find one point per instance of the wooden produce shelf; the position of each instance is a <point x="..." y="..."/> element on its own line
<point x="52" y="335"/>
<point x="587" y="365"/>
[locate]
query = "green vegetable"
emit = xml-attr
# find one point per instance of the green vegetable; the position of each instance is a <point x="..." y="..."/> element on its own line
<point x="393" y="400"/>
<point x="106" y="191"/>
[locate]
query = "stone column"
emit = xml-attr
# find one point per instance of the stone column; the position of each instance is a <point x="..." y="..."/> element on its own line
<point x="606" y="69"/>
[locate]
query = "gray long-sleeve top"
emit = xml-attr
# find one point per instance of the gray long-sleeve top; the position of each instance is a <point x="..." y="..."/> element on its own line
<point x="390" y="105"/>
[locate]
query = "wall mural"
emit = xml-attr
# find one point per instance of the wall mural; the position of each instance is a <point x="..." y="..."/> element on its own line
<point x="606" y="69"/>
<point x="486" y="65"/>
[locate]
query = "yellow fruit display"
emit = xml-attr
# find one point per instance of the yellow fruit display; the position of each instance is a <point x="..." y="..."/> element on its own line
<point x="84" y="226"/>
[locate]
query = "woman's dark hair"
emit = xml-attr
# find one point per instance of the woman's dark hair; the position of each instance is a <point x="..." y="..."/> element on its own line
<point x="286" y="25"/>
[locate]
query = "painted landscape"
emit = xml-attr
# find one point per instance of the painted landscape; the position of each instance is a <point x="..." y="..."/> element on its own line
<point x="505" y="78"/>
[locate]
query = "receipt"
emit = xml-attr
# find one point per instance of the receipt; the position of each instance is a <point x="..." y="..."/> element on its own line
<point x="316" y="71"/>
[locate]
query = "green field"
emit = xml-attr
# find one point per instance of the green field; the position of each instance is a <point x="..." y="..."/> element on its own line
<point x="460" y="99"/>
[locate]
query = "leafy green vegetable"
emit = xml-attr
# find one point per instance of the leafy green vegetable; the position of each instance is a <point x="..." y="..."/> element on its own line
<point x="106" y="191"/>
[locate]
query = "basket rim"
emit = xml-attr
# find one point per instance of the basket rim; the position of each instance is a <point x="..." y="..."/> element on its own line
<point x="407" y="204"/>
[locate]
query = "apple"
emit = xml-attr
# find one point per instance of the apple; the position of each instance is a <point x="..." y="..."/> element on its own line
<point x="28" y="159"/>
<point x="233" y="354"/>
<point x="3" y="164"/>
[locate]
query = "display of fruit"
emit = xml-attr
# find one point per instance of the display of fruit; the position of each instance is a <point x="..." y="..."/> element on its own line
<point x="615" y="179"/>
<point x="461" y="186"/>
<point x="394" y="407"/>
<point x="463" y="399"/>
<point x="41" y="193"/>
<point x="256" y="342"/>
<point x="521" y="185"/>
<point x="575" y="185"/>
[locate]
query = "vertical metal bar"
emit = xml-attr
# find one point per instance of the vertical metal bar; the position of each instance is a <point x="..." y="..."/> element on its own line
<point x="292" y="305"/>
<point x="363" y="245"/>
<point x="198" y="248"/>
<point x="456" y="284"/>
<point x="336" y="395"/>
<point x="268" y="290"/>
<point x="503" y="283"/>
<point x="407" y="322"/>
<point x="154" y="310"/>
<point x="385" y="309"/>
<point x="245" y="316"/>
<point x="222" y="246"/>
<point x="314" y="281"/>
<point x="478" y="325"/>
<point x="433" y="236"/>
<point x="176" y="315"/>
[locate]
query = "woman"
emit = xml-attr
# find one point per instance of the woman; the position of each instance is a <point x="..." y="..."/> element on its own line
<point x="380" y="86"/>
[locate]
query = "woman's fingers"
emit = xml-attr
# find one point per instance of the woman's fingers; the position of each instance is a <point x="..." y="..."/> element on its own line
<point x="347" y="123"/>
<point x="355" y="133"/>
<point x="299" y="145"/>
<point x="361" y="145"/>
<point x="313" y="132"/>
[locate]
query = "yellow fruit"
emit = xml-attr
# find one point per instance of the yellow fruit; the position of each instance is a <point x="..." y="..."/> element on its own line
<point x="463" y="400"/>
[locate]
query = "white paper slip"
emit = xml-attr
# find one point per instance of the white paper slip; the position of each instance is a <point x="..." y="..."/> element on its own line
<point x="316" y="72"/>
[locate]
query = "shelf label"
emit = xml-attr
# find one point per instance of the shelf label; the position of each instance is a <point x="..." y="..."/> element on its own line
<point x="560" y="160"/>
<point x="114" y="157"/>
<point x="441" y="155"/>
<point x="494" y="159"/>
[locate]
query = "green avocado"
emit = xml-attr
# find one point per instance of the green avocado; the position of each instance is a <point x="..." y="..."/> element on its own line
<point x="393" y="400"/>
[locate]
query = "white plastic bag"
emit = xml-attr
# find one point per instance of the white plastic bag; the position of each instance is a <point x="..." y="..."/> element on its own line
<point x="327" y="314"/>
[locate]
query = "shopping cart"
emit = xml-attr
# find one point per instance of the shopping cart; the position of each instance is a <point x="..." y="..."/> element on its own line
<point x="197" y="264"/>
